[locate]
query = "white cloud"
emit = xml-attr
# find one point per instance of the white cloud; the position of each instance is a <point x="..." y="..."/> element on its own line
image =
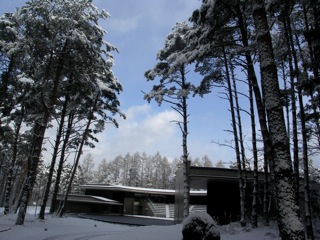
<point x="150" y="129"/>
<point x="122" y="26"/>
<point x="144" y="130"/>
<point x="128" y="16"/>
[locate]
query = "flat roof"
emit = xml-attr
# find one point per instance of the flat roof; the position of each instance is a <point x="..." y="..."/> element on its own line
<point x="200" y="176"/>
<point x="138" y="189"/>
<point x="89" y="199"/>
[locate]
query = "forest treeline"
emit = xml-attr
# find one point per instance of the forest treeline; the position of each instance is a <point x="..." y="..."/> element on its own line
<point x="136" y="170"/>
<point x="56" y="69"/>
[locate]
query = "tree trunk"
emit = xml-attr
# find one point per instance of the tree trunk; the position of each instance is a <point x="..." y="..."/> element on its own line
<point x="308" y="219"/>
<point x="293" y="73"/>
<point x="254" y="214"/>
<point x="242" y="149"/>
<point x="53" y="160"/>
<point x="18" y="200"/>
<point x="185" y="153"/>
<point x="268" y="151"/>
<point x="39" y="132"/>
<point x="61" y="162"/>
<point x="286" y="206"/>
<point x="75" y="167"/>
<point x="13" y="162"/>
<point x="236" y="142"/>
<point x="307" y="205"/>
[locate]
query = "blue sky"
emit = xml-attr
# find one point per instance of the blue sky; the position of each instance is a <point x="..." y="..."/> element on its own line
<point x="138" y="29"/>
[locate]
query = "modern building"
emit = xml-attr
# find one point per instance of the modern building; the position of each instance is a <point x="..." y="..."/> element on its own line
<point x="136" y="200"/>
<point x="214" y="190"/>
<point x="222" y="186"/>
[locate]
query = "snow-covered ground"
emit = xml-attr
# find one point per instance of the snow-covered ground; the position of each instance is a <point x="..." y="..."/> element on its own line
<point x="54" y="228"/>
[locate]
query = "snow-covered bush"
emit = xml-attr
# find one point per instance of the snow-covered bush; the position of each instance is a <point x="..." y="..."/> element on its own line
<point x="200" y="226"/>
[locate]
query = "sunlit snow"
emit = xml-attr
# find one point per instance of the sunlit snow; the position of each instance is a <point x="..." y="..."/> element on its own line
<point x="78" y="228"/>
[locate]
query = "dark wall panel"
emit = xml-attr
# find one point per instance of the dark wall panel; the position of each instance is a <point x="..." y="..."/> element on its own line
<point x="223" y="201"/>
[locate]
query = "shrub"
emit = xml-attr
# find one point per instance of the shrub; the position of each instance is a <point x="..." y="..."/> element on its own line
<point x="200" y="226"/>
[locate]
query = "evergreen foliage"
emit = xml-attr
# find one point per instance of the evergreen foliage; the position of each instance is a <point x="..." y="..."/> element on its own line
<point x="53" y="51"/>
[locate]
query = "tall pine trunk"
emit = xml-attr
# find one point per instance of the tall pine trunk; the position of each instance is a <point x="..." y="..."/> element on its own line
<point x="241" y="142"/>
<point x="268" y="151"/>
<point x="53" y="160"/>
<point x="185" y="153"/>
<point x="61" y="162"/>
<point x="303" y="77"/>
<point x="75" y="167"/>
<point x="236" y="141"/>
<point x="292" y="52"/>
<point x="307" y="204"/>
<point x="39" y="132"/>
<point x="290" y="226"/>
<point x="7" y="205"/>
<point x="293" y="73"/>
<point x="254" y="213"/>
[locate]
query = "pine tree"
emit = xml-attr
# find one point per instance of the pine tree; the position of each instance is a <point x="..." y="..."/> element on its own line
<point x="174" y="89"/>
<point x="55" y="40"/>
